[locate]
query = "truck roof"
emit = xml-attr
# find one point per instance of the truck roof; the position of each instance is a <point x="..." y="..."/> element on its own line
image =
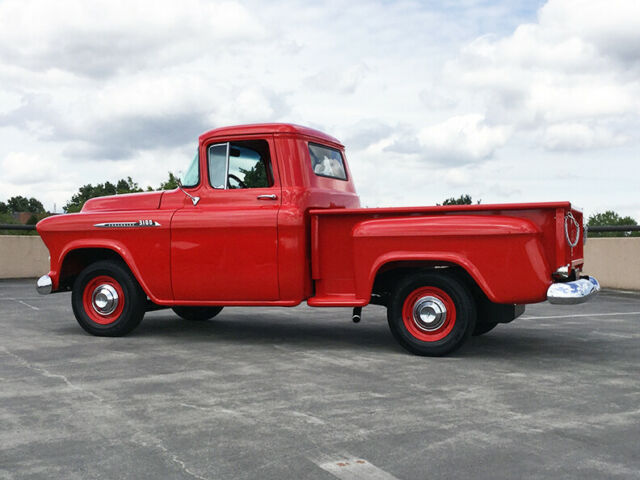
<point x="271" y="128"/>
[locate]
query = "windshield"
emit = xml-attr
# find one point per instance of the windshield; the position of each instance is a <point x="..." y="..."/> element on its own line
<point x="192" y="177"/>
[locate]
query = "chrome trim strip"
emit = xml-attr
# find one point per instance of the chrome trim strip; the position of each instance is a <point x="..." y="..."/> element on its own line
<point x="226" y="173"/>
<point x="226" y="168"/>
<point x="139" y="223"/>
<point x="44" y="285"/>
<point x="572" y="293"/>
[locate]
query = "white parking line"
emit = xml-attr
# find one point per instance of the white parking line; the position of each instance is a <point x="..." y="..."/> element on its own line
<point x="525" y="317"/>
<point x="27" y="305"/>
<point x="354" y="469"/>
<point x="20" y="302"/>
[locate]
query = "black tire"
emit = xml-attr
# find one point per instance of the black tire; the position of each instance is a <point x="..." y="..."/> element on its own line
<point x="130" y="308"/>
<point x="197" y="314"/>
<point x="482" y="328"/>
<point x="457" y="325"/>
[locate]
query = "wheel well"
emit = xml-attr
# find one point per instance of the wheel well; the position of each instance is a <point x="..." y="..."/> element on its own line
<point x="389" y="274"/>
<point x="77" y="260"/>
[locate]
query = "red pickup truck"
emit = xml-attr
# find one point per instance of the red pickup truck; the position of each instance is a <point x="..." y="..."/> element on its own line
<point x="268" y="215"/>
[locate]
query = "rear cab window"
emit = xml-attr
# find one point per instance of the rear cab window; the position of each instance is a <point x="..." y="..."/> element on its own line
<point x="327" y="162"/>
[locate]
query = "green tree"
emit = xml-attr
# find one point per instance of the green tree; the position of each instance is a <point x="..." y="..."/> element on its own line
<point x="4" y="208"/>
<point x="170" y="184"/>
<point x="461" y="200"/>
<point x="127" y="186"/>
<point x="86" y="192"/>
<point x="24" y="204"/>
<point x="18" y="204"/>
<point x="256" y="176"/>
<point x="611" y="218"/>
<point x="35" y="206"/>
<point x="100" y="190"/>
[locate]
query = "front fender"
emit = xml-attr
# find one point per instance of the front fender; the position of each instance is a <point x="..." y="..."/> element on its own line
<point x="144" y="247"/>
<point x="115" y="246"/>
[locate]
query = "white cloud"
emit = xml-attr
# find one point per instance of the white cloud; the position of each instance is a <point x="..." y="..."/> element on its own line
<point x="576" y="136"/>
<point x="462" y="139"/>
<point x="105" y="37"/>
<point x="25" y="169"/>
<point x="560" y="69"/>
<point x="496" y="100"/>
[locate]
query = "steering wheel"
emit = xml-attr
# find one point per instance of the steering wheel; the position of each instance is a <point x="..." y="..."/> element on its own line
<point x="240" y="182"/>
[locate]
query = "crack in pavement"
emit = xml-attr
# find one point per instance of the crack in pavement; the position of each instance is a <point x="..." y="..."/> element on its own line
<point x="153" y="440"/>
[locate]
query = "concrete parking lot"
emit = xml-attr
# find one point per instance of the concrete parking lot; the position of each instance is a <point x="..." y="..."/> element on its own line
<point x="273" y="393"/>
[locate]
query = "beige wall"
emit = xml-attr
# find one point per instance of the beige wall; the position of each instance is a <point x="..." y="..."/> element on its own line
<point x="615" y="262"/>
<point x="23" y="256"/>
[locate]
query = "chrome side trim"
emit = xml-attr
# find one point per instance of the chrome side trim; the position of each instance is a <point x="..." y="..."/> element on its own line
<point x="44" y="285"/>
<point x="226" y="173"/>
<point x="572" y="293"/>
<point x="139" y="223"/>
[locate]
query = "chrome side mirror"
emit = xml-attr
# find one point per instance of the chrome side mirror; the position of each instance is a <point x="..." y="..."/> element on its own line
<point x="195" y="200"/>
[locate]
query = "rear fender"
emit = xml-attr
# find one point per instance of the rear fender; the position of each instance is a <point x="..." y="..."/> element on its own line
<point x="503" y="255"/>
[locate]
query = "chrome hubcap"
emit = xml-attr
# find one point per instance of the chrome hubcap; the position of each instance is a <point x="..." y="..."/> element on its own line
<point x="429" y="313"/>
<point x="104" y="299"/>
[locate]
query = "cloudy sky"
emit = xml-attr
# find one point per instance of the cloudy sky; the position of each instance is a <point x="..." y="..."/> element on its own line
<point x="507" y="100"/>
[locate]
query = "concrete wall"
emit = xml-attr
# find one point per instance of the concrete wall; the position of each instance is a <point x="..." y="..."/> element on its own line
<point x="23" y="256"/>
<point x="615" y="262"/>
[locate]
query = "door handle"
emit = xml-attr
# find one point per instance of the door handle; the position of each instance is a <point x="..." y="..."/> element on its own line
<point x="271" y="196"/>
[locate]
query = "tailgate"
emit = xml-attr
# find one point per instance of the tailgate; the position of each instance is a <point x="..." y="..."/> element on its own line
<point x="569" y="239"/>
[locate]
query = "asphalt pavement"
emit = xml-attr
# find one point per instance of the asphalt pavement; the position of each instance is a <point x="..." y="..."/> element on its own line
<point x="302" y="393"/>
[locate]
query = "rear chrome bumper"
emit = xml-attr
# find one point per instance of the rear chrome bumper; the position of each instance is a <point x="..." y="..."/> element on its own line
<point x="571" y="293"/>
<point x="44" y="285"/>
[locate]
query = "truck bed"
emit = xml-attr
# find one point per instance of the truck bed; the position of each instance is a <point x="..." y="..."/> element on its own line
<point x="510" y="250"/>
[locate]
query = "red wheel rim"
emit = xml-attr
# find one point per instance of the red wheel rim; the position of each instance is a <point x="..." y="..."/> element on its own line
<point x="103" y="299"/>
<point x="429" y="314"/>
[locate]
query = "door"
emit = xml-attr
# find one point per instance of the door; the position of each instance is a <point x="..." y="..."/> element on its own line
<point x="225" y="247"/>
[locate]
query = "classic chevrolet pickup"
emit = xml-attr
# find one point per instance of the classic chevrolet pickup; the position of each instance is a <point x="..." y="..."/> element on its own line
<point x="268" y="215"/>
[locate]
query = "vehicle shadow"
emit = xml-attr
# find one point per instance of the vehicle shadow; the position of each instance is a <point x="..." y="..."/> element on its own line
<point x="270" y="329"/>
<point x="300" y="330"/>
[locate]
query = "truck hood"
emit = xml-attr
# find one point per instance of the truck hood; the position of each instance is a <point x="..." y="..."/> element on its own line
<point x="129" y="201"/>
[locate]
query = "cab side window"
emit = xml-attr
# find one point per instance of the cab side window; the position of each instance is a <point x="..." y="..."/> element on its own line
<point x="242" y="164"/>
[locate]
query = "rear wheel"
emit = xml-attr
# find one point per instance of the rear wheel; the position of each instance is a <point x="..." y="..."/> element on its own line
<point x="431" y="313"/>
<point x="197" y="313"/>
<point x="107" y="300"/>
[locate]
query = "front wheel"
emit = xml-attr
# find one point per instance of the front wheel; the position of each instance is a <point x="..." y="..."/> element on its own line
<point x="431" y="314"/>
<point x="107" y="300"/>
